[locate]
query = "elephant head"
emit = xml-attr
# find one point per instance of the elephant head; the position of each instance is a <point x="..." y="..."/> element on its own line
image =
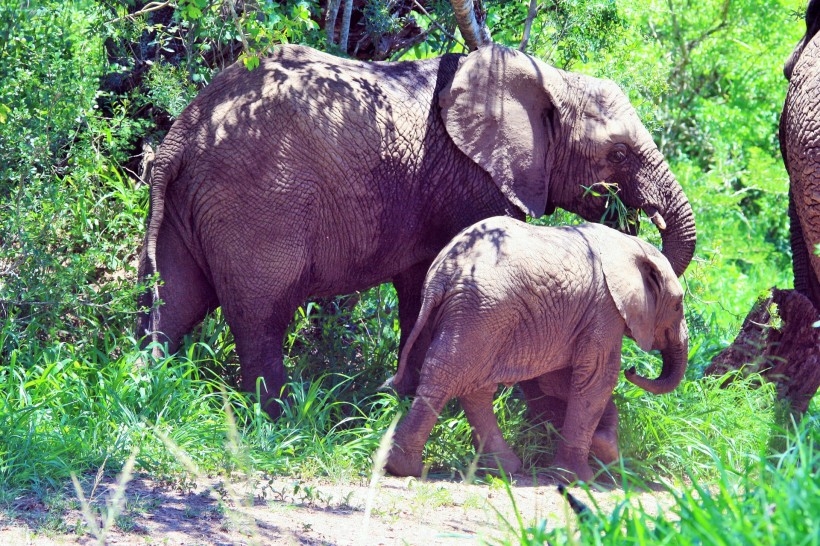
<point x="546" y="136"/>
<point x="812" y="26"/>
<point x="651" y="304"/>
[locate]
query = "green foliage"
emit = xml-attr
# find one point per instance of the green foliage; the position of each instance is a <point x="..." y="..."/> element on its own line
<point x="684" y="433"/>
<point x="743" y="246"/>
<point x="763" y="501"/>
<point x="358" y="334"/>
<point x="76" y="393"/>
<point x="438" y="24"/>
<point x="563" y="33"/>
<point x="170" y="88"/>
<point x="49" y="79"/>
<point x="70" y="219"/>
<point x="379" y="20"/>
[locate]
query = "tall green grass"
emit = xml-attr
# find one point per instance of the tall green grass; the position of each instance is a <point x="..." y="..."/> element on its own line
<point x="721" y="454"/>
<point x="77" y="394"/>
<point x="768" y="499"/>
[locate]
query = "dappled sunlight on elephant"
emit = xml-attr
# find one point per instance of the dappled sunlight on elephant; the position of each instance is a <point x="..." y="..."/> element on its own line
<point x="313" y="175"/>
<point x="507" y="301"/>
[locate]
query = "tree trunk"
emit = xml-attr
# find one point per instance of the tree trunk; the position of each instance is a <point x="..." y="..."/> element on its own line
<point x="471" y="18"/>
<point x="345" y="32"/>
<point x="330" y="20"/>
<point x="778" y="339"/>
<point x="531" y="14"/>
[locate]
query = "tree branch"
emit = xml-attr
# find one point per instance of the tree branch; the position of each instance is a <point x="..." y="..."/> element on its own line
<point x="345" y="32"/>
<point x="438" y="25"/>
<point x="153" y="6"/>
<point x="471" y="19"/>
<point x="531" y="14"/>
<point x="330" y="19"/>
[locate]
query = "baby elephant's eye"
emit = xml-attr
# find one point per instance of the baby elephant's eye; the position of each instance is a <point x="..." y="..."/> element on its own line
<point x="618" y="154"/>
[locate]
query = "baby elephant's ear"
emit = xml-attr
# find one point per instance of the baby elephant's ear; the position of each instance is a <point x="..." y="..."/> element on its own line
<point x="637" y="276"/>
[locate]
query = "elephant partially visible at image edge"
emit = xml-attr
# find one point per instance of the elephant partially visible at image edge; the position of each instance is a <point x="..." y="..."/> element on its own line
<point x="799" y="133"/>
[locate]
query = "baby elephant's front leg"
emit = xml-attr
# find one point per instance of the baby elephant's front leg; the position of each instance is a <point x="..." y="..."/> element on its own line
<point x="590" y="395"/>
<point x="487" y="437"/>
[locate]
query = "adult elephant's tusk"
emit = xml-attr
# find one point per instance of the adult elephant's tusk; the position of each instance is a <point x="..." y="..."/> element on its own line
<point x="655" y="217"/>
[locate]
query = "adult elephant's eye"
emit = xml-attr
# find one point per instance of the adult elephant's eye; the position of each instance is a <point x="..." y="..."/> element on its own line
<point x="618" y="154"/>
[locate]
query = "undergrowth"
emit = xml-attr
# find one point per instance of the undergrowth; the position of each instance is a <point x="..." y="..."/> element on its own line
<point x="79" y="397"/>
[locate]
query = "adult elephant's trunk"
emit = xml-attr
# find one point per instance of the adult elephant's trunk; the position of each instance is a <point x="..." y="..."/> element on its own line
<point x="675" y="221"/>
<point x="679" y="236"/>
<point x="675" y="358"/>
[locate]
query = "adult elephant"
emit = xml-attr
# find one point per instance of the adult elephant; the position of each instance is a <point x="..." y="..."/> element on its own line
<point x="313" y="175"/>
<point x="800" y="144"/>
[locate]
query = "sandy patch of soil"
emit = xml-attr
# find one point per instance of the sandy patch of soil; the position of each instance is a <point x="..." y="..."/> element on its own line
<point x="290" y="511"/>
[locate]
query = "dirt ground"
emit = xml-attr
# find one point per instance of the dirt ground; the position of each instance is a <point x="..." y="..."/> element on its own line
<point x="287" y="511"/>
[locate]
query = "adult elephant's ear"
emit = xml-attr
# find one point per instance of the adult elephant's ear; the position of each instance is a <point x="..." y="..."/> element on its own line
<point x="637" y="277"/>
<point x="496" y="110"/>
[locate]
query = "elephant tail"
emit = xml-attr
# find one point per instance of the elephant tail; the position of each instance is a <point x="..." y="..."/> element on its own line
<point x="433" y="296"/>
<point x="167" y="165"/>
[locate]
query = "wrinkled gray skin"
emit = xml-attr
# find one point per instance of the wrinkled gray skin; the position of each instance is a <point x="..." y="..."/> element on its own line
<point x="546" y="397"/>
<point x="800" y="144"/>
<point x="314" y="175"/>
<point x="508" y="301"/>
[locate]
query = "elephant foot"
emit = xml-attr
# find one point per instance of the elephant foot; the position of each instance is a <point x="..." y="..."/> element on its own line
<point x="403" y="463"/>
<point x="405" y="387"/>
<point x="605" y="446"/>
<point x="571" y="467"/>
<point x="508" y="462"/>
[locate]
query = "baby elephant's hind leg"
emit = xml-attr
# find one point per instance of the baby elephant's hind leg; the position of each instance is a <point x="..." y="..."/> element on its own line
<point x="605" y="439"/>
<point x="405" y="457"/>
<point x="487" y="437"/>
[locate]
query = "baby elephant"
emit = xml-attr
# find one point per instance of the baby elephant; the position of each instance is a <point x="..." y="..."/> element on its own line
<point x="506" y="301"/>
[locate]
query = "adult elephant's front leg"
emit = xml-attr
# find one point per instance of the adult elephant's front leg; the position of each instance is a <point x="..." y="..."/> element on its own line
<point x="409" y="291"/>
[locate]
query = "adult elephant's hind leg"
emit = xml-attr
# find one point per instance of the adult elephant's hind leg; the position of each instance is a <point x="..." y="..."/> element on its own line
<point x="487" y="437"/>
<point x="186" y="294"/>
<point x="259" y="339"/>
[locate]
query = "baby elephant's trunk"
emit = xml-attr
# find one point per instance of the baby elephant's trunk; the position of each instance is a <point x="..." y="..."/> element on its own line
<point x="675" y="358"/>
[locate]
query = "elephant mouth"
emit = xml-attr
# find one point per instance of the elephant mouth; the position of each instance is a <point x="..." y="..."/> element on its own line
<point x="624" y="219"/>
<point x="627" y="220"/>
<point x="613" y="212"/>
